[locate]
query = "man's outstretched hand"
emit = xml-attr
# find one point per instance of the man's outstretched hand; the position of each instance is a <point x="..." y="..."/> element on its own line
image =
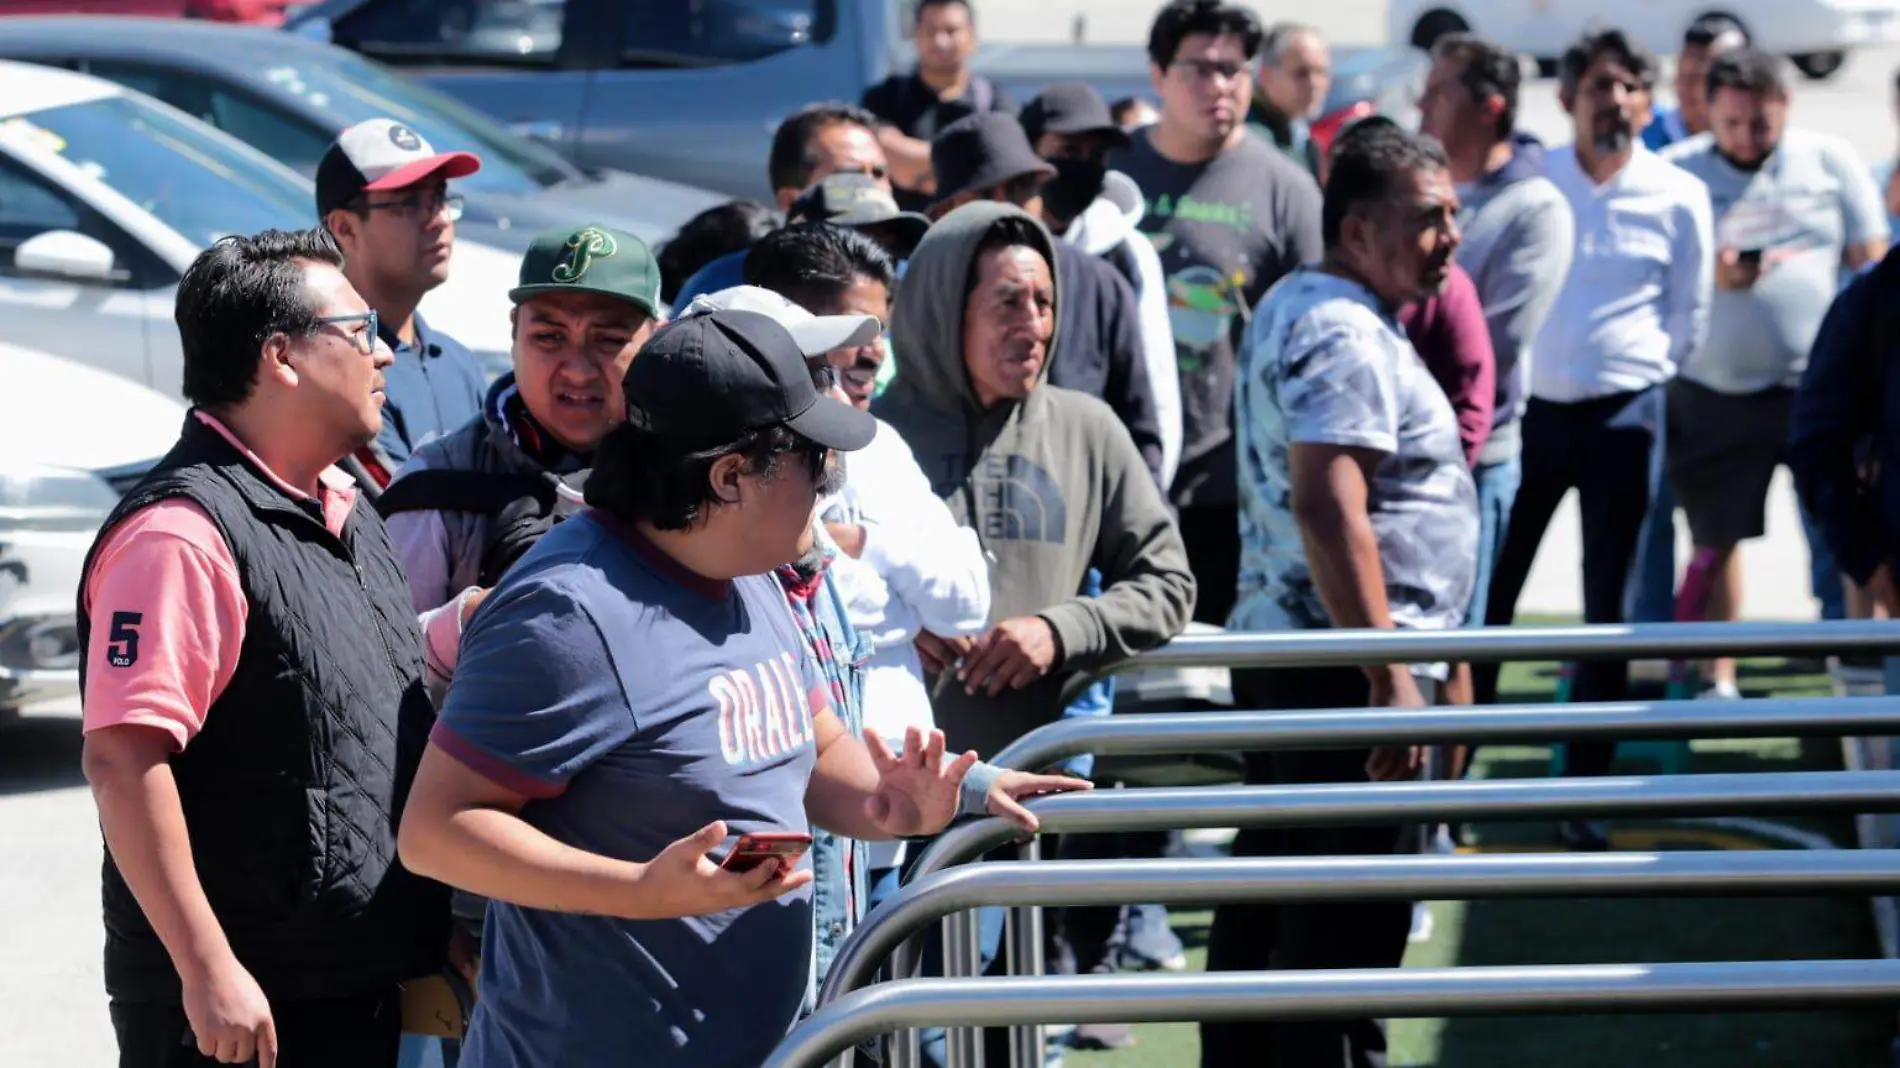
<point x="1014" y="787"/>
<point x="916" y="791"/>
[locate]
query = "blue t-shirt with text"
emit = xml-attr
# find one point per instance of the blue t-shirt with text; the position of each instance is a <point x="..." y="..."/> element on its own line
<point x="634" y="703"/>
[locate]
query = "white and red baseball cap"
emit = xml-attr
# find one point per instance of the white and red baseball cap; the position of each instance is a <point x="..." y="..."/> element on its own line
<point x="380" y="154"/>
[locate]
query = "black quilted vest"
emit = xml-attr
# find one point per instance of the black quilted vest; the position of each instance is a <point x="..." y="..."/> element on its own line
<point x="293" y="789"/>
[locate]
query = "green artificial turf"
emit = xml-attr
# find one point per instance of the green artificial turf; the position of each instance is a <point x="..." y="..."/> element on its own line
<point x="1620" y="931"/>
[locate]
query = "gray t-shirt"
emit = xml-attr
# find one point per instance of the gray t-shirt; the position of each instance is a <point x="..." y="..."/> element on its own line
<point x="1225" y="230"/>
<point x="635" y="702"/>
<point x="1807" y="202"/>
<point x="1328" y="364"/>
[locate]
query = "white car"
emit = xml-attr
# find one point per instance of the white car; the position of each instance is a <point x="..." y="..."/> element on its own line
<point x="73" y="439"/>
<point x="1815" y="34"/>
<point x="106" y="195"/>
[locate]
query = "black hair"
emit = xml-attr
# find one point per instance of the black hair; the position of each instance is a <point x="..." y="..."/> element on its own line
<point x="1279" y="37"/>
<point x="1594" y="45"/>
<point x="1747" y="70"/>
<point x="1485" y="70"/>
<point x="235" y="296"/>
<point x="642" y="476"/>
<point x="811" y="264"/>
<point x="792" y="163"/>
<point x="1706" y="29"/>
<point x="1184" y="18"/>
<point x="917" y="17"/>
<point x="1368" y="159"/>
<point x="1008" y="232"/>
<point x="715" y="232"/>
<point x="1121" y="109"/>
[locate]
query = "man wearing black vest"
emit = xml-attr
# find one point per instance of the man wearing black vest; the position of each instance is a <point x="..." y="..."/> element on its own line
<point x="254" y="702"/>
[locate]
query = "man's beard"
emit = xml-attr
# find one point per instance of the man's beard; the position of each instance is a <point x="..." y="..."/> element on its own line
<point x="1616" y="140"/>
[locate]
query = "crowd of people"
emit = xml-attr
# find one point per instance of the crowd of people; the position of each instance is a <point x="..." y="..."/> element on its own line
<point x="397" y="679"/>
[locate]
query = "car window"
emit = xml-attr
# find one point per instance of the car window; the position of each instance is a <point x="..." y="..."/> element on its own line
<point x="705" y="33"/>
<point x="31" y="206"/>
<point x="191" y="178"/>
<point x="349" y="89"/>
<point x="282" y="136"/>
<point x="455" y="31"/>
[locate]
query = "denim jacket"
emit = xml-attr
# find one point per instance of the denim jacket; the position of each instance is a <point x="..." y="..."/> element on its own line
<point x="838" y="863"/>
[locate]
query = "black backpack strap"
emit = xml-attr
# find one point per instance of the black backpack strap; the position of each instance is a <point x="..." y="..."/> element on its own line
<point x="480" y="492"/>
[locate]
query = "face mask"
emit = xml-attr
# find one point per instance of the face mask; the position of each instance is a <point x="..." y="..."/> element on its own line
<point x="1076" y="184"/>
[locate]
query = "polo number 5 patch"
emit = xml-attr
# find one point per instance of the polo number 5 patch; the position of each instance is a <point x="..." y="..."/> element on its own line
<point x="123" y="650"/>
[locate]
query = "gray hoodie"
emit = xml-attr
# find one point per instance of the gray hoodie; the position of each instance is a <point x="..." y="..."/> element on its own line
<point x="1052" y="485"/>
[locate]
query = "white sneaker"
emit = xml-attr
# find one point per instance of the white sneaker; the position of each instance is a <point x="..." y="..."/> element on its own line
<point x="1722" y="691"/>
<point x="1422" y="924"/>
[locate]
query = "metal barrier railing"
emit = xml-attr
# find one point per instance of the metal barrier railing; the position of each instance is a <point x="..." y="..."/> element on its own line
<point x="1677" y="641"/>
<point x="1348" y="804"/>
<point x="1029" y="1001"/>
<point x="1768" y="873"/>
<point x="1215" y="732"/>
<point x="1360" y="647"/>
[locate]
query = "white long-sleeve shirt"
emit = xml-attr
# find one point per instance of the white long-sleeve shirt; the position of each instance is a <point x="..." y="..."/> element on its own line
<point x="1636" y="303"/>
<point x="918" y="571"/>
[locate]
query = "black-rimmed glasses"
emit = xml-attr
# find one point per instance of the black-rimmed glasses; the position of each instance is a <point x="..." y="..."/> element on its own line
<point x="365" y="338"/>
<point x="421" y="205"/>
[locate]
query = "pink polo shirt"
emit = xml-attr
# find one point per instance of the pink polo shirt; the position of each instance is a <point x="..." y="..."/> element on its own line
<point x="168" y="610"/>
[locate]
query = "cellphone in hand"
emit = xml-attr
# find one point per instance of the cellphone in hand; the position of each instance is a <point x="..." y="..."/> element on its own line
<point x="757" y="848"/>
<point x="1750" y="256"/>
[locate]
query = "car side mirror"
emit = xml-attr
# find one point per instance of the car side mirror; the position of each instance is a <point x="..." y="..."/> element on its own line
<point x="69" y="255"/>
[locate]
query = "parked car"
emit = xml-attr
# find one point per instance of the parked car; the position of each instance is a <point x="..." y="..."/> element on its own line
<point x="289" y="97"/>
<point x="107" y="195"/>
<point x="260" y="12"/>
<point x="1816" y="35"/>
<point x="692" y="92"/>
<point x="73" y="439"/>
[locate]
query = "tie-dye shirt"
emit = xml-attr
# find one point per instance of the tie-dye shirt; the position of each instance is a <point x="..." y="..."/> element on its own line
<point x="1326" y="363"/>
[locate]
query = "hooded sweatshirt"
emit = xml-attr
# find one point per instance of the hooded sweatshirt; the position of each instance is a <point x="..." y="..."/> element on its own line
<point x="1518" y="242"/>
<point x="1052" y="485"/>
<point x="1107" y="228"/>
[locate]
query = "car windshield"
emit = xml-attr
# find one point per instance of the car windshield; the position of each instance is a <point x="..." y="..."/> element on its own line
<point x="185" y="174"/>
<point x="353" y="89"/>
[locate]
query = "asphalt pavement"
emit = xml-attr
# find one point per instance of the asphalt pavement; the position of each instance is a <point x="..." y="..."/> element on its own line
<point x="52" y="1009"/>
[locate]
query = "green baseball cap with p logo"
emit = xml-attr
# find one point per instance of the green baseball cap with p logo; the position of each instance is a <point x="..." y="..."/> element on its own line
<point x="591" y="259"/>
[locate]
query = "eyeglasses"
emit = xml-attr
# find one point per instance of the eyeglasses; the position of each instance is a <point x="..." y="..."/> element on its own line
<point x="420" y="205"/>
<point x="1204" y="70"/>
<point x="365" y="339"/>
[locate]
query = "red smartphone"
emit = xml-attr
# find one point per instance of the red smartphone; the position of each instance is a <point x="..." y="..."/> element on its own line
<point x="757" y="848"/>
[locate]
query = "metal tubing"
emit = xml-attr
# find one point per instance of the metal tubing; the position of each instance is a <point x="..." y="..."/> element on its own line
<point x="1672" y="641"/>
<point x="1349" y="804"/>
<point x="1768" y="793"/>
<point x="1384" y="993"/>
<point x="1217" y="732"/>
<point x="962" y="958"/>
<point x="1766" y="873"/>
<point x="1026" y="958"/>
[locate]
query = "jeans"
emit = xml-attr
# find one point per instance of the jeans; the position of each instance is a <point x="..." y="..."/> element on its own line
<point x="1824" y="574"/>
<point x="1653" y="600"/>
<point x="1098" y="700"/>
<point x="1497" y="491"/>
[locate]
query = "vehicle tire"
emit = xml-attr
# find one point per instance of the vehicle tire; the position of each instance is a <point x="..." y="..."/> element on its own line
<point x="1435" y="24"/>
<point x="1818" y="66"/>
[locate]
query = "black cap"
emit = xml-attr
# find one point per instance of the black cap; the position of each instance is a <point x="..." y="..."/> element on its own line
<point x="1071" y="108"/>
<point x="710" y="379"/>
<point x="982" y="150"/>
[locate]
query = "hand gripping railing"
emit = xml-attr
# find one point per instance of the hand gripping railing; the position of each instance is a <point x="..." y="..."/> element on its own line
<point x="1385" y="993"/>
<point x="1678" y="641"/>
<point x="1374" y="804"/>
